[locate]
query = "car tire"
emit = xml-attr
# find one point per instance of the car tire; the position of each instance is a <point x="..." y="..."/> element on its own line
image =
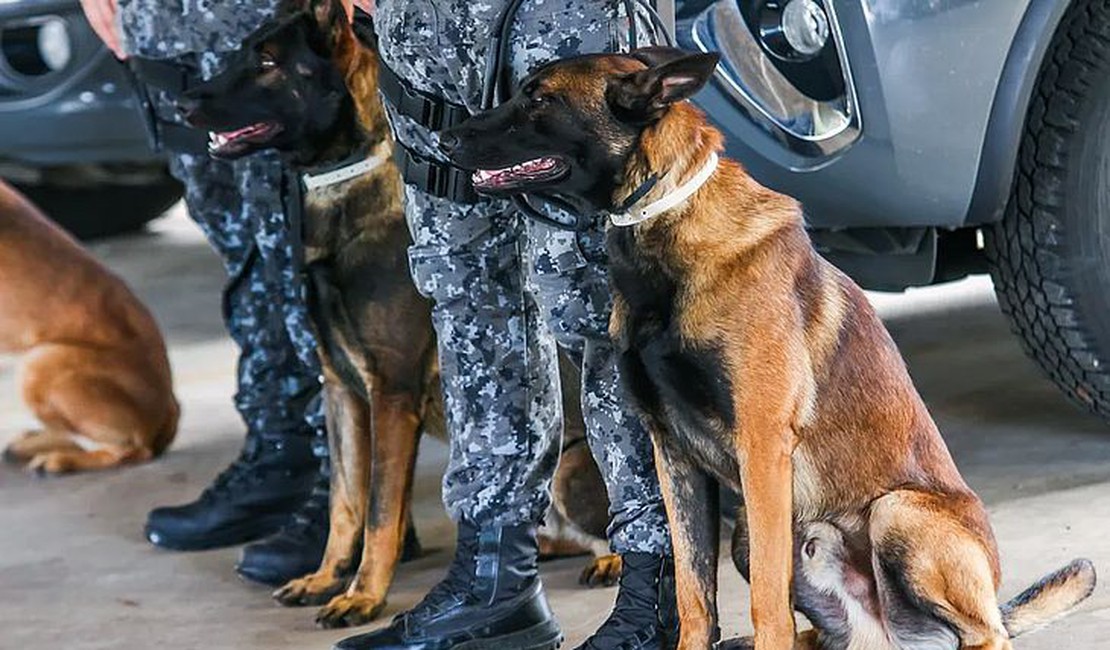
<point x="104" y="210"/>
<point x="1050" y="255"/>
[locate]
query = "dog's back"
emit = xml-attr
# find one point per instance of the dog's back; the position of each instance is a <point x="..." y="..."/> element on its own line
<point x="96" y="371"/>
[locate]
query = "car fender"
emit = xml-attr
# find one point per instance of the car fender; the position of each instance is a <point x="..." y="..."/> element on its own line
<point x="1010" y="109"/>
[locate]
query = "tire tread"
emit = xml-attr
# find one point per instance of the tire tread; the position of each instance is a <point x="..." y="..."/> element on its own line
<point x="1026" y="250"/>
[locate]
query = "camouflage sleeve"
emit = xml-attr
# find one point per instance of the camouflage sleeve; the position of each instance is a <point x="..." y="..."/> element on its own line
<point x="164" y="29"/>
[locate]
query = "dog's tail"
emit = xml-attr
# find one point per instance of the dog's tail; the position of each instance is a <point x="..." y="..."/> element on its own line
<point x="1050" y="598"/>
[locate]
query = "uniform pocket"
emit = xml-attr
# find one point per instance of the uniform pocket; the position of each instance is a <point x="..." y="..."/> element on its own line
<point x="431" y="269"/>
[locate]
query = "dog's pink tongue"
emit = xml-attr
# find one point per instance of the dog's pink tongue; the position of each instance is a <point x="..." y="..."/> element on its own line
<point x="231" y="135"/>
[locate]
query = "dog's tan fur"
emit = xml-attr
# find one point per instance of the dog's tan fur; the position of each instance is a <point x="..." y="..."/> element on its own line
<point x="95" y="371"/>
<point x="829" y="424"/>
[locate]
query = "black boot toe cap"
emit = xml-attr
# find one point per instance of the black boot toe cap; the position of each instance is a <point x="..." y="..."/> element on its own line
<point x="280" y="558"/>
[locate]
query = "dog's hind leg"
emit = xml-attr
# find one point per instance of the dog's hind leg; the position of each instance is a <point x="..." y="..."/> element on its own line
<point x="82" y="396"/>
<point x="40" y="441"/>
<point x="348" y="422"/>
<point x="693" y="510"/>
<point x="396" y="425"/>
<point x="937" y="550"/>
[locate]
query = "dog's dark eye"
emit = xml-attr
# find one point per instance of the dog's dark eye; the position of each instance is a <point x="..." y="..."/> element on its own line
<point x="266" y="61"/>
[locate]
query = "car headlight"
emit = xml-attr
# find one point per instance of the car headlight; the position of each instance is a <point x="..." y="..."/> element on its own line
<point x="54" y="44"/>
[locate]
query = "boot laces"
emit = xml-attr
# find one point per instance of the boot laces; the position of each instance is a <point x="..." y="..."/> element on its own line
<point x="243" y="471"/>
<point x="311" y="519"/>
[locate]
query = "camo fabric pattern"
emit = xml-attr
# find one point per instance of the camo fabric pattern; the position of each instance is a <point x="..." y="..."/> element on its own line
<point x="238" y="206"/>
<point x="505" y="289"/>
<point x="196" y="30"/>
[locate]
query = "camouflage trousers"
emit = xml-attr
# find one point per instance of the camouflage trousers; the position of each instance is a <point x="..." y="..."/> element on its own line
<point x="238" y="206"/>
<point x="506" y="289"/>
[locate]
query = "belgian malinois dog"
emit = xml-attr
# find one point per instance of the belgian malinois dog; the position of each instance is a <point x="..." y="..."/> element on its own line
<point x="95" y="370"/>
<point x="306" y="85"/>
<point x="759" y="365"/>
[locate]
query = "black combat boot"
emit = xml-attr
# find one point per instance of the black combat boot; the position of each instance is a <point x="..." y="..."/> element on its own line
<point x="296" y="549"/>
<point x="645" y="616"/>
<point x="492" y="597"/>
<point x="250" y="499"/>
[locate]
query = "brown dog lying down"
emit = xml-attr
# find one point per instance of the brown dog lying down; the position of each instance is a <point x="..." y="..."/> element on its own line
<point x="307" y="86"/>
<point x="761" y="366"/>
<point x="95" y="373"/>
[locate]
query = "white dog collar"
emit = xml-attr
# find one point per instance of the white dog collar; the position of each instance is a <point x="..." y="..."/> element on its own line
<point x="344" y="173"/>
<point x="631" y="216"/>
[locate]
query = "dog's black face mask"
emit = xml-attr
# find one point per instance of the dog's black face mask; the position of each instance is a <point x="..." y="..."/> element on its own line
<point x="281" y="91"/>
<point x="572" y="125"/>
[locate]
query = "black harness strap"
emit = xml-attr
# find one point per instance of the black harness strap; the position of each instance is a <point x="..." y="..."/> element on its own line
<point x="434" y="113"/>
<point x="426" y="109"/>
<point x="173" y="77"/>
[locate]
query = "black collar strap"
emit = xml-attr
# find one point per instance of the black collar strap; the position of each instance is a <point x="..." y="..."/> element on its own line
<point x="641" y="191"/>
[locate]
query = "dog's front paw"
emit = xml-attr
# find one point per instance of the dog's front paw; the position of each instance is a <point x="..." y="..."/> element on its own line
<point x="604" y="571"/>
<point x="50" y="463"/>
<point x="313" y="589"/>
<point x="350" y="610"/>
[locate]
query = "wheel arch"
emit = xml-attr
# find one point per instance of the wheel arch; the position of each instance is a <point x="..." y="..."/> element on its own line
<point x="1010" y="109"/>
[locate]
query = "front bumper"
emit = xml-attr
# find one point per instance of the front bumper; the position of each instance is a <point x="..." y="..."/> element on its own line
<point x="84" y="112"/>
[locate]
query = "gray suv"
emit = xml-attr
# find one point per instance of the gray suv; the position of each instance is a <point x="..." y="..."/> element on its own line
<point x="71" y="135"/>
<point x="929" y="139"/>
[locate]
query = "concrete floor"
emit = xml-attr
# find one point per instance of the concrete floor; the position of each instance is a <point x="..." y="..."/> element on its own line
<point x="76" y="573"/>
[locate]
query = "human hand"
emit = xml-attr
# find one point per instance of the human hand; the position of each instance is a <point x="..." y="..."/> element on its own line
<point x="101" y="15"/>
<point x="365" y="5"/>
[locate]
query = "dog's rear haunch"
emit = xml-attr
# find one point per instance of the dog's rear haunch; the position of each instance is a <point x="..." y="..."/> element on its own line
<point x="760" y="365"/>
<point x="95" y="370"/>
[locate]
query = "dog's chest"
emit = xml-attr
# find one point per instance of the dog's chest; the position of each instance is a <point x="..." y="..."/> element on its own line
<point x="337" y="304"/>
<point x="680" y="383"/>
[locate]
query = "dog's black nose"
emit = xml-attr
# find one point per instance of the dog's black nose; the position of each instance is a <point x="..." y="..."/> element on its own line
<point x="448" y="143"/>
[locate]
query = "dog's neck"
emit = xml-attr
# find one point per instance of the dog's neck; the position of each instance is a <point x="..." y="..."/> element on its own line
<point x="729" y="210"/>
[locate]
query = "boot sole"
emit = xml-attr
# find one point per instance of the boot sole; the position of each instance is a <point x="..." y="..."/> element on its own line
<point x="231" y="536"/>
<point x="544" y="636"/>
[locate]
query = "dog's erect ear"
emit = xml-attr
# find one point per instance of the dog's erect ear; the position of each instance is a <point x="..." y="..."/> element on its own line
<point x="672" y="76"/>
<point x="657" y="55"/>
<point x="331" y="18"/>
<point x="328" y="12"/>
<point x="329" y="15"/>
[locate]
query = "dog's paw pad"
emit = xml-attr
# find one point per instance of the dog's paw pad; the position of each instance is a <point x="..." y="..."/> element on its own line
<point x="349" y="611"/>
<point x="604" y="571"/>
